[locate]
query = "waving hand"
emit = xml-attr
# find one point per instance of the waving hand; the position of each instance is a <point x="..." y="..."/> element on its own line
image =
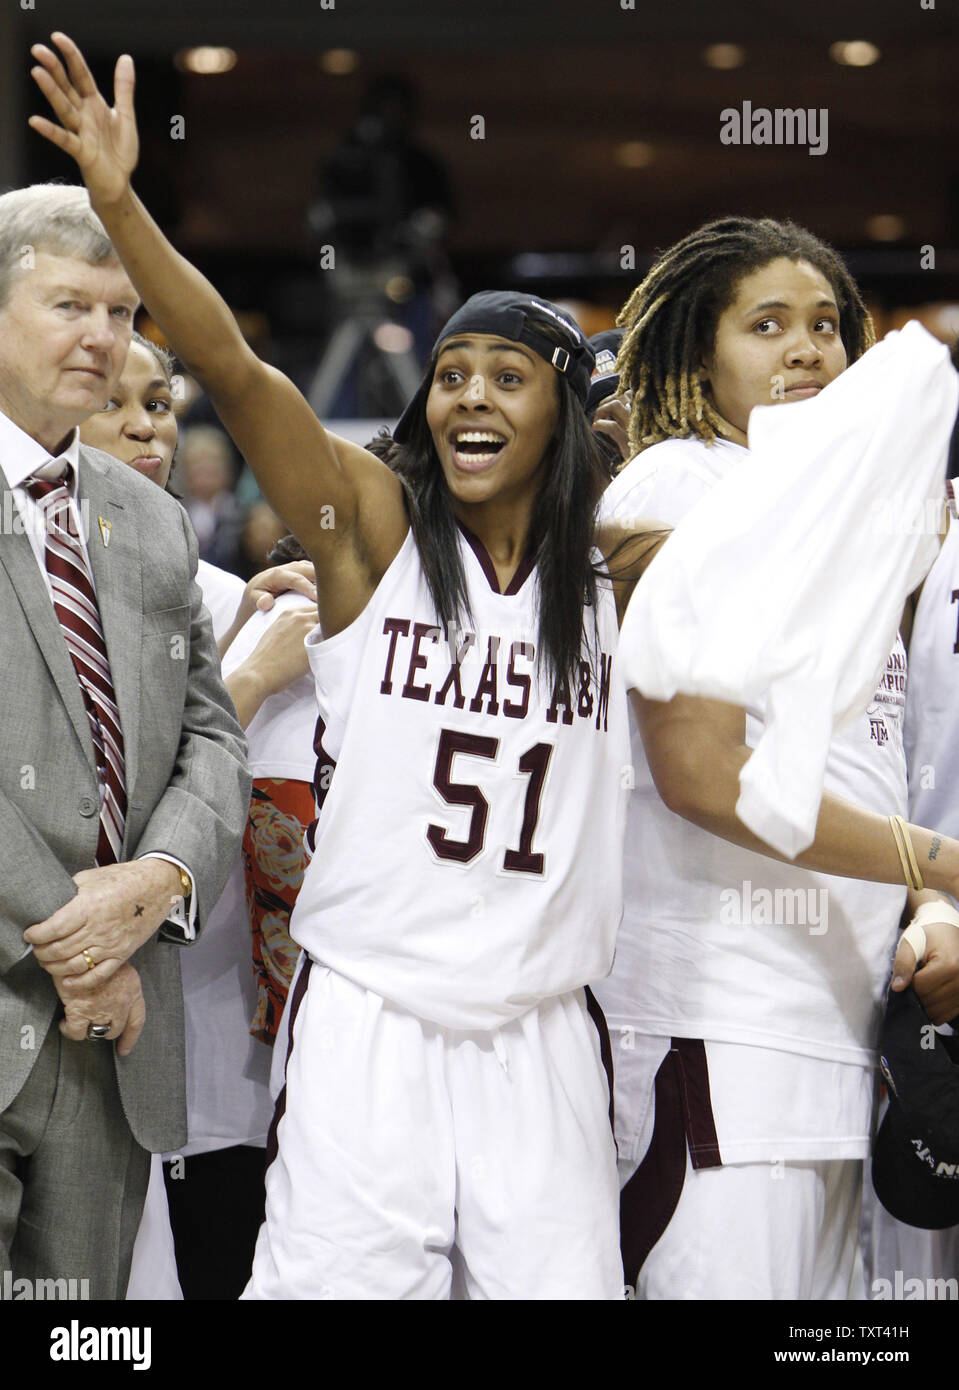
<point x="102" y="140"/>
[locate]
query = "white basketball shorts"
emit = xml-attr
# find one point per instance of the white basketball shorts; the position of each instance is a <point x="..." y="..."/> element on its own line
<point x="398" y="1139"/>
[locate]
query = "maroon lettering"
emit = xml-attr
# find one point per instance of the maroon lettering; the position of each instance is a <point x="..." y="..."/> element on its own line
<point x="418" y="662"/>
<point x="519" y="679"/>
<point x="584" y="703"/>
<point x="487" y="682"/>
<point x="602" y="696"/>
<point x="535" y="764"/>
<point x="460" y="794"/>
<point x="392" y="628"/>
<point x="453" y="678"/>
<point x="561" y="696"/>
<point x="878" y="732"/>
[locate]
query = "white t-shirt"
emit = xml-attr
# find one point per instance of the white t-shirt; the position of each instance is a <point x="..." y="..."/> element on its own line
<point x="222" y="592"/>
<point x="280" y="734"/>
<point x="789" y="1011"/>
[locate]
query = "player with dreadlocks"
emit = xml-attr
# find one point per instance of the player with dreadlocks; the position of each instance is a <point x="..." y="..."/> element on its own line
<point x="673" y="314"/>
<point x="746" y="992"/>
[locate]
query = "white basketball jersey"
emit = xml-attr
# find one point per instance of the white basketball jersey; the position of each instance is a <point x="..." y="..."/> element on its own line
<point x="725" y="944"/>
<point x="932" y="713"/>
<point x="468" y="854"/>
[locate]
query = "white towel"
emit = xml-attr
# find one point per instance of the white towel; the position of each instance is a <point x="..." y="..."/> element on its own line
<point x="784" y="587"/>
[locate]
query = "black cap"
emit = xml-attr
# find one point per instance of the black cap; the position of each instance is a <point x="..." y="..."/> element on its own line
<point x="605" y="379"/>
<point x="915" y="1164"/>
<point x="514" y="316"/>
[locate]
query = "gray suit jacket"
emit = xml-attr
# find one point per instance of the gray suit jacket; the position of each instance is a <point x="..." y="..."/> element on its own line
<point x="186" y="777"/>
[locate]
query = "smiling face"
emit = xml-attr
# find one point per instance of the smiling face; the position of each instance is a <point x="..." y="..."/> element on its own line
<point x="64" y="334"/>
<point x="777" y="342"/>
<point x="492" y="410"/>
<point x="137" y="425"/>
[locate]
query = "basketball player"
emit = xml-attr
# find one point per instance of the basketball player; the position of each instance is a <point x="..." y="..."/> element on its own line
<point x="746" y="994"/>
<point x="444" y="1085"/>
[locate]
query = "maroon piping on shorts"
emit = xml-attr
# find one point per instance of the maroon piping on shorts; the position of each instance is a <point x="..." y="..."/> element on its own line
<point x="605" y="1046"/>
<point x="683" y="1118"/>
<point x="299" y="990"/>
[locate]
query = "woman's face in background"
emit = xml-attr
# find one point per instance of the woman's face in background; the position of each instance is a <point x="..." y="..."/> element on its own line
<point x="137" y="425"/>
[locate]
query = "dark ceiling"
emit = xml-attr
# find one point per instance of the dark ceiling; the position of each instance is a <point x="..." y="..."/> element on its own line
<point x="459" y="24"/>
<point x="561" y="87"/>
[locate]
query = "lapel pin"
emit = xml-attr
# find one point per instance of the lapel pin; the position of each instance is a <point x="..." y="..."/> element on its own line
<point x="105" y="528"/>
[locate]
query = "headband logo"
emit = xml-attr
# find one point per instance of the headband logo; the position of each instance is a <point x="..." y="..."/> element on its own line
<point x="560" y="318"/>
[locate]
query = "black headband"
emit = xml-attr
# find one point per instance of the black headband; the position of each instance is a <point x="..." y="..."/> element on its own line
<point x="520" y="319"/>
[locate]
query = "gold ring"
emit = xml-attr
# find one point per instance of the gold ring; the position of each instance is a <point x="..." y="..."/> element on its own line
<point x="91" y="963"/>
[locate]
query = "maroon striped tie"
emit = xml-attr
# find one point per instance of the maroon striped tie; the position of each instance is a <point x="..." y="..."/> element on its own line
<point x="75" y="603"/>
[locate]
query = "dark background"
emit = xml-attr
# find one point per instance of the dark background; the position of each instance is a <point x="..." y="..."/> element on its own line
<point x="543" y="200"/>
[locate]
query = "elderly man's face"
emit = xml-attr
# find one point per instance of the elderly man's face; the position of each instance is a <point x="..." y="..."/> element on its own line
<point x="64" y="334"/>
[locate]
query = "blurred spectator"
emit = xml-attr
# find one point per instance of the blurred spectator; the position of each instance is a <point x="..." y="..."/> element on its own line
<point x="381" y="191"/>
<point x="207" y="474"/>
<point x="261" y="530"/>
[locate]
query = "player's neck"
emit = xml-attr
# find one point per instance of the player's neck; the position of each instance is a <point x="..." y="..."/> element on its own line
<point x="503" y="531"/>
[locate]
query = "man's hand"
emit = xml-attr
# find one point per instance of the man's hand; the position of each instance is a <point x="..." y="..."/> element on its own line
<point x="936" y="981"/>
<point x="261" y="592"/>
<point x="116" y="909"/>
<point x="103" y="141"/>
<point x="119" y="1002"/>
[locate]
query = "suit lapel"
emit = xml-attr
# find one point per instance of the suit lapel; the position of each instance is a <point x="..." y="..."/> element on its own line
<point x="113" y="546"/>
<point x="19" y="561"/>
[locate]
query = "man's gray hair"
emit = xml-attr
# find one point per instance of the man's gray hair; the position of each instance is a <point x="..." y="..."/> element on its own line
<point x="52" y="217"/>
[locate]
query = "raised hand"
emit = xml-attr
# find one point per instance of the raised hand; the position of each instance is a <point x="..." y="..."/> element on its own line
<point x="102" y="140"/>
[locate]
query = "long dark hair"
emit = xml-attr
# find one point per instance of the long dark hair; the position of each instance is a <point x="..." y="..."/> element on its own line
<point x="561" y="536"/>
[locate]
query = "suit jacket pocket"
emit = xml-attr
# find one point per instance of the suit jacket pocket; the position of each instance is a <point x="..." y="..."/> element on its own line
<point x="161" y="620"/>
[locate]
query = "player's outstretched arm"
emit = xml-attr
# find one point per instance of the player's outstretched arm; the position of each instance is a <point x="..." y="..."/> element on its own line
<point x="344" y="505"/>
